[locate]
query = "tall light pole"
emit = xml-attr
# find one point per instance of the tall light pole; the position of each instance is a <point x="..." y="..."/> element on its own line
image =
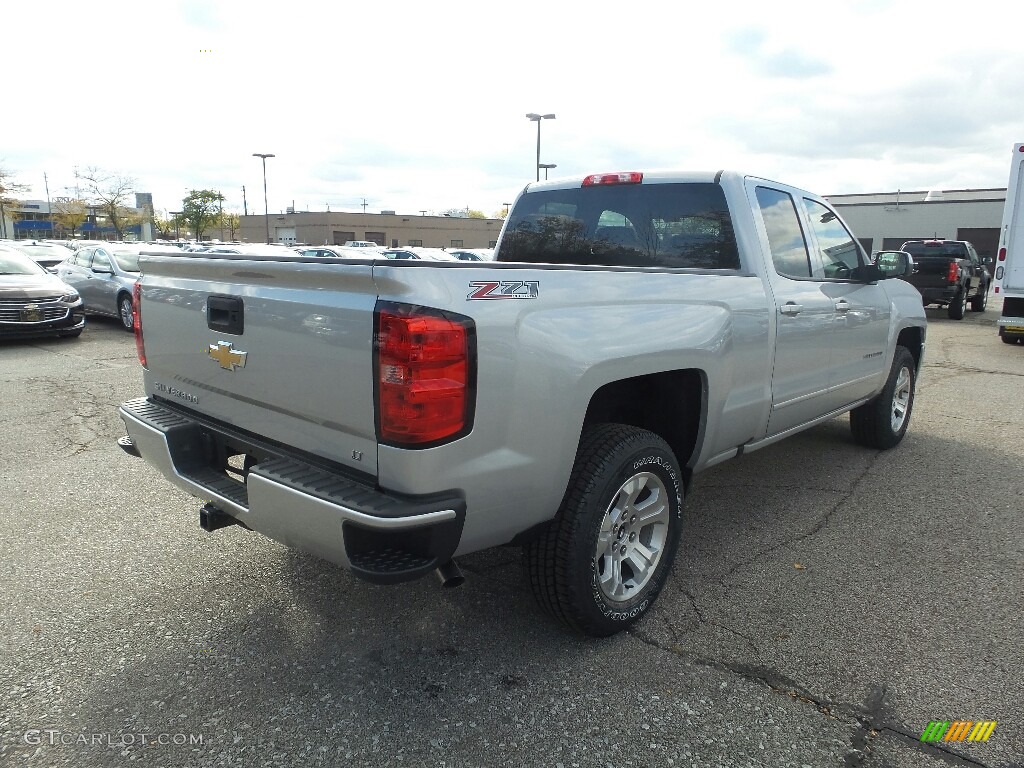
<point x="547" y="167"/>
<point x="266" y="208"/>
<point x="537" y="118"/>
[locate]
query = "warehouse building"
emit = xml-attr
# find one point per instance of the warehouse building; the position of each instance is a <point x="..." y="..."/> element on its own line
<point x="386" y="228"/>
<point x="884" y="221"/>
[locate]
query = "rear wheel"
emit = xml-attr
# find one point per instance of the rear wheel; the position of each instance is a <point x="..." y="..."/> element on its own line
<point x="980" y="300"/>
<point x="607" y="554"/>
<point x="126" y="311"/>
<point x="882" y="422"/>
<point x="1010" y="338"/>
<point x="958" y="306"/>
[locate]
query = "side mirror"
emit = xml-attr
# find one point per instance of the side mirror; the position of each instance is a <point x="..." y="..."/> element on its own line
<point x="895" y="264"/>
<point x="102" y="271"/>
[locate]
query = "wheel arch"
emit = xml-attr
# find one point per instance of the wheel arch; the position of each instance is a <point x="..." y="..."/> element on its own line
<point x="913" y="339"/>
<point x="671" y="404"/>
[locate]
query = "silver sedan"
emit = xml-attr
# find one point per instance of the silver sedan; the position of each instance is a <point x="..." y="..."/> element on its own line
<point x="104" y="276"/>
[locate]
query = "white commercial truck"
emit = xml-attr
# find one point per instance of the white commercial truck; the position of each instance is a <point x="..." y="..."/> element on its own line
<point x="1010" y="260"/>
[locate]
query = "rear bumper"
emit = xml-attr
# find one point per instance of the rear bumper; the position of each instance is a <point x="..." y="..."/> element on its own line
<point x="943" y="295"/>
<point x="381" y="537"/>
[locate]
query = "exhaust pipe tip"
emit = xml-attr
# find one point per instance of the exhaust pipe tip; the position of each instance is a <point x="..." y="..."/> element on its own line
<point x="450" y="575"/>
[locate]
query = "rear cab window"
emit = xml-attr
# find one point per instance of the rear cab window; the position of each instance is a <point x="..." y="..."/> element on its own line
<point x="944" y="249"/>
<point x="675" y="226"/>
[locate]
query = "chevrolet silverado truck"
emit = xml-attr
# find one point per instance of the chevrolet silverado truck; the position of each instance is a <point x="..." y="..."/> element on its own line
<point x="949" y="273"/>
<point x="636" y="329"/>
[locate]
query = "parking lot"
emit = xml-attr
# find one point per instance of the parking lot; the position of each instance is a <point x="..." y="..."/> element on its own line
<point x="828" y="602"/>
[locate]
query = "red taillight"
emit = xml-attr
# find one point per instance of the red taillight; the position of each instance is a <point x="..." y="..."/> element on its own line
<point x="140" y="345"/>
<point x="1002" y="254"/>
<point x="954" y="272"/>
<point x="601" y="179"/>
<point x="425" y="367"/>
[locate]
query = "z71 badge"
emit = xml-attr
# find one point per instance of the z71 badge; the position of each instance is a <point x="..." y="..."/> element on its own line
<point x="489" y="290"/>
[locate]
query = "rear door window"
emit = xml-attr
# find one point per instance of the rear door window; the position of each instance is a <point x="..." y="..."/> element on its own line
<point x="642" y="225"/>
<point x="785" y="236"/>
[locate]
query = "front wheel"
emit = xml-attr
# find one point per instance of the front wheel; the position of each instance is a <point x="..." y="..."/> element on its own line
<point x="608" y="552"/>
<point x="126" y="311"/>
<point x="882" y="422"/>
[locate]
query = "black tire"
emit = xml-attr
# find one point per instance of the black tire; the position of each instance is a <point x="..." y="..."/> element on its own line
<point x="980" y="300"/>
<point x="958" y="306"/>
<point x="126" y="311"/>
<point x="586" y="570"/>
<point x="882" y="422"/>
<point x="1010" y="338"/>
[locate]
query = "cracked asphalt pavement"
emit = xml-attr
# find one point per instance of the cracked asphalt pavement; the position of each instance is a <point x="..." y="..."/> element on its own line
<point x="828" y="602"/>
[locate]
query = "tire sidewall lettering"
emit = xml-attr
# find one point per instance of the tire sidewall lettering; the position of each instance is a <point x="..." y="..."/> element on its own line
<point x="652" y="462"/>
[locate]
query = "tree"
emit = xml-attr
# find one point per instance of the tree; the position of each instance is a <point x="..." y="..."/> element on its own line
<point x="500" y="214"/>
<point x="201" y="209"/>
<point x="164" y="226"/>
<point x="69" y="213"/>
<point x="474" y="214"/>
<point x="232" y="223"/>
<point x="109" y="192"/>
<point x="8" y="203"/>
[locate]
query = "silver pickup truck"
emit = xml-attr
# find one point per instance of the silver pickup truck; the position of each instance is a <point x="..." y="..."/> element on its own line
<point x="635" y="329"/>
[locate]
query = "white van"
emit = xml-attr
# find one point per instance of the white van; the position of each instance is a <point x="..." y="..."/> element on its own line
<point x="1009" y="274"/>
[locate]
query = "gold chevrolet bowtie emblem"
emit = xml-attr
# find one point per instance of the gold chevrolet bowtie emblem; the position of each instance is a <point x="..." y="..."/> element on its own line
<point x="228" y="358"/>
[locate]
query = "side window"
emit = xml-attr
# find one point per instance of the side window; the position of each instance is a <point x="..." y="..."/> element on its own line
<point x="101" y="260"/>
<point x="785" y="238"/>
<point x="840" y="254"/>
<point x="84" y="257"/>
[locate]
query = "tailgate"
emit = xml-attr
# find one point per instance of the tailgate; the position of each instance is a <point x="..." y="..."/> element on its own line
<point x="281" y="349"/>
<point x="930" y="271"/>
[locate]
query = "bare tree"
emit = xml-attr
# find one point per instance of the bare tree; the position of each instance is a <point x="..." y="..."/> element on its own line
<point x="233" y="223"/>
<point x="8" y="188"/>
<point x="109" y="193"/>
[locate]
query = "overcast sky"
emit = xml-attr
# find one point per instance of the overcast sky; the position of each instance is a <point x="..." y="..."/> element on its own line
<point x="417" y="106"/>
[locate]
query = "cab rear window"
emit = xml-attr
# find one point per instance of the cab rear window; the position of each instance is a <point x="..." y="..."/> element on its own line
<point x="925" y="248"/>
<point x="629" y="225"/>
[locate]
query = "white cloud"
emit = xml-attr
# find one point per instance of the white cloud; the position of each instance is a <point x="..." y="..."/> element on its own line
<point x="416" y="106"/>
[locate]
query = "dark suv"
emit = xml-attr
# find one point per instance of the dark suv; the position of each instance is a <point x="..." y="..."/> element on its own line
<point x="949" y="273"/>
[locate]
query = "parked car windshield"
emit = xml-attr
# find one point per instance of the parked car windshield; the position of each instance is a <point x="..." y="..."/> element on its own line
<point x="17" y="263"/>
<point x="646" y="225"/>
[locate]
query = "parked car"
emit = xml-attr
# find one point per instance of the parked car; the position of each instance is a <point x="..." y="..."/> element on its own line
<point x="472" y="254"/>
<point x="417" y="252"/>
<point x="104" y="275"/>
<point x="34" y="302"/>
<point x="46" y="255"/>
<point x="949" y="273"/>
<point x="337" y="252"/>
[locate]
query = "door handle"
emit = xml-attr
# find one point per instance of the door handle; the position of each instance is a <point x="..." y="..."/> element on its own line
<point x="842" y="305"/>
<point x="789" y="308"/>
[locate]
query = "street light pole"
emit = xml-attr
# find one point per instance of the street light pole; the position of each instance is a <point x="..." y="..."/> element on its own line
<point x="537" y="118"/>
<point x="547" y="167"/>
<point x="266" y="208"/>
